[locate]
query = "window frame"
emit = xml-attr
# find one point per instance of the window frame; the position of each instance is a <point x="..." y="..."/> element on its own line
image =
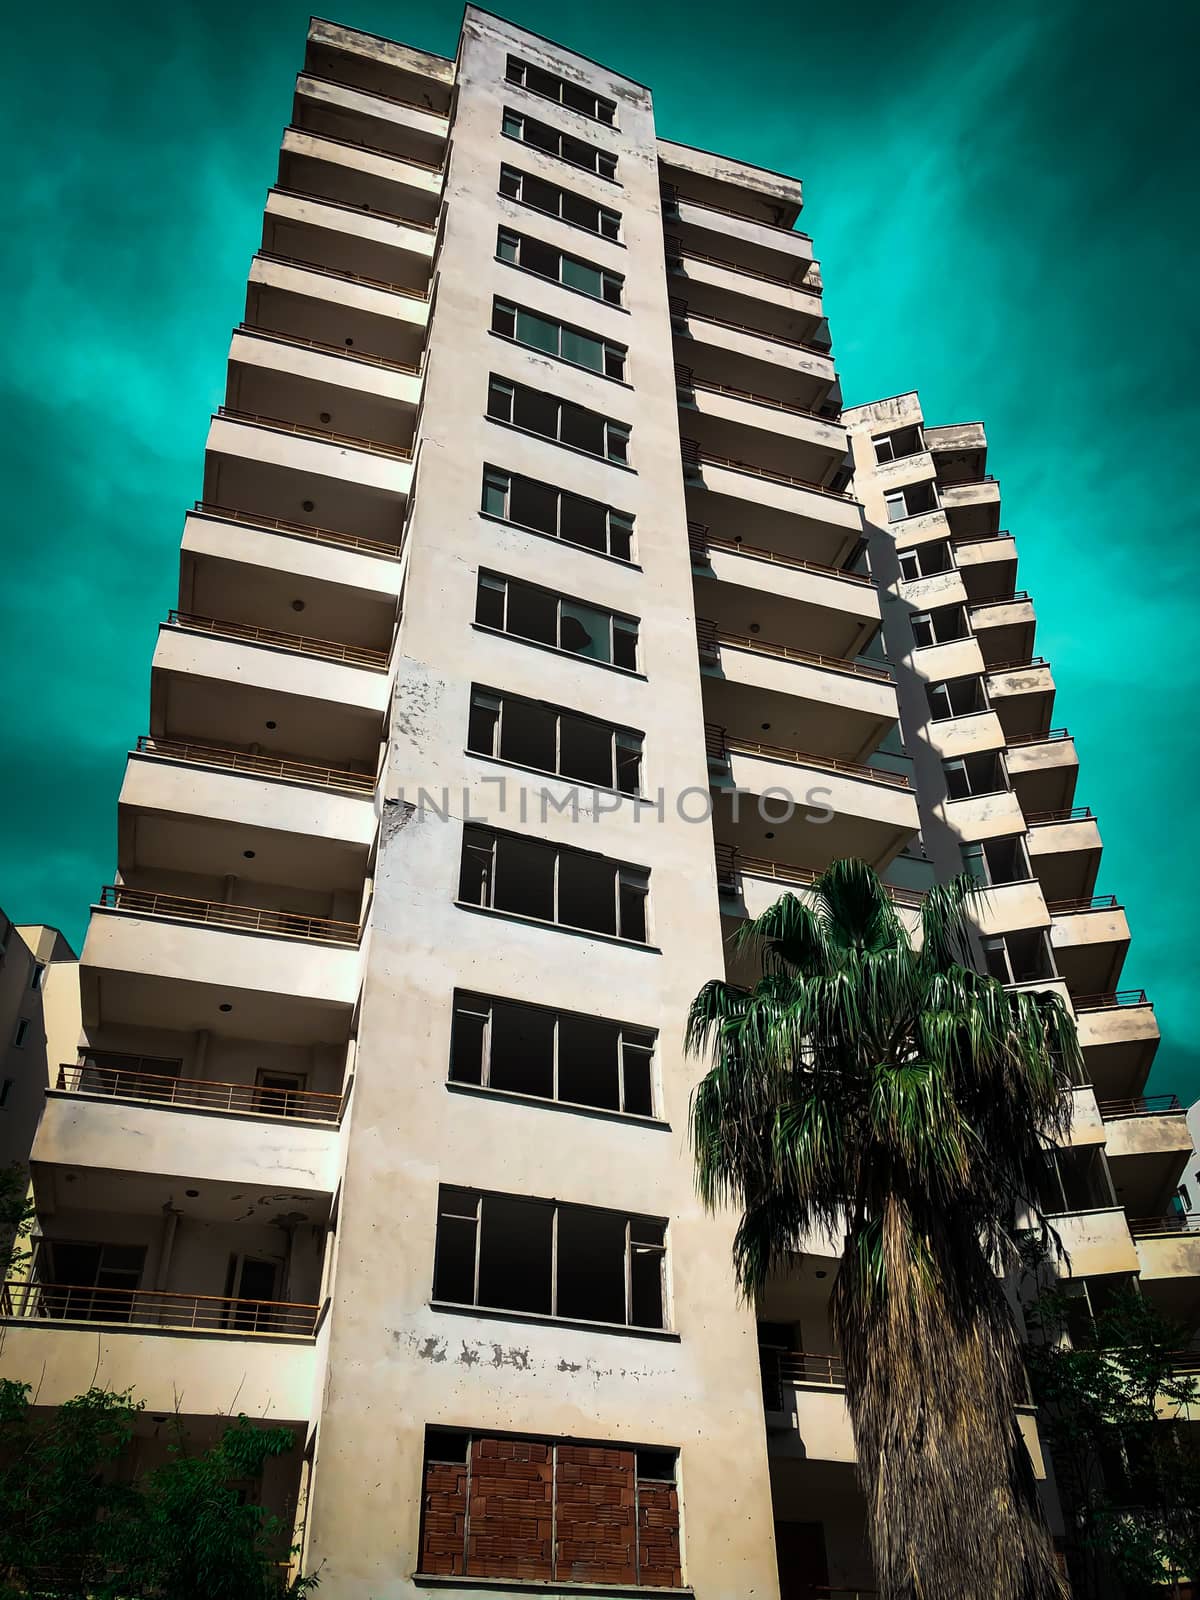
<point x="619" y="621"/>
<point x="512" y="184"/>
<point x="602" y="158"/>
<point x="613" y="429"/>
<point x="612" y="353"/>
<point x="617" y="732"/>
<point x="632" y="1221"/>
<point x="511" y="239"/>
<point x="519" y="77"/>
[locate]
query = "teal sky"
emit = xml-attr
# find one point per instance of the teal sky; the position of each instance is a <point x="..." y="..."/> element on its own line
<point x="1003" y="202"/>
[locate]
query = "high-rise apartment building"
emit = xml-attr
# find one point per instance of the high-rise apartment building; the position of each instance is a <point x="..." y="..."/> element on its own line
<point x="528" y="570"/>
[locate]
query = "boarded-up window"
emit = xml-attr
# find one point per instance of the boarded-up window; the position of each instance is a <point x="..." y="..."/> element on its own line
<point x="543" y="1510"/>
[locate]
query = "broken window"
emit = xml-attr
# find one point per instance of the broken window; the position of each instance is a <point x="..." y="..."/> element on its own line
<point x="551" y="87"/>
<point x="533" y="878"/>
<point x="900" y="442"/>
<point x="532" y="733"/>
<point x="549" y="1511"/>
<point x="552" y="1055"/>
<point x="982" y="773"/>
<point x="925" y="560"/>
<point x="516" y="125"/>
<point x="518" y="250"/>
<point x="562" y="421"/>
<point x="994" y="861"/>
<point x="1021" y="957"/>
<point x="913" y="500"/>
<point x="529" y="612"/>
<point x="558" y="339"/>
<point x="942" y="626"/>
<point x="506" y="1253"/>
<point x="960" y="697"/>
<point x="560" y="203"/>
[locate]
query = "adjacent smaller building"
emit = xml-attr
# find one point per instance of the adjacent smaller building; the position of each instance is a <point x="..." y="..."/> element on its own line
<point x="39" y="1026"/>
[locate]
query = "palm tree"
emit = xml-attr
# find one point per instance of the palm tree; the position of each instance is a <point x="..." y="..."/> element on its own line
<point x="894" y="1097"/>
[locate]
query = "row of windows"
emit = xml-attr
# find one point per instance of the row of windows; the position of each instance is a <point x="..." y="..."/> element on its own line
<point x="561" y="203"/>
<point x="560" y="339"/>
<point x="547" y="261"/>
<point x="557" y="513"/>
<point x="509" y="605"/>
<point x="548" y="882"/>
<point x="551" y="739"/>
<point x="560" y="420"/>
<point x="551" y="87"/>
<point x="552" y="142"/>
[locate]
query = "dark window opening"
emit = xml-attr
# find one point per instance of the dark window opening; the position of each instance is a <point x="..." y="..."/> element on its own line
<point x="507" y="1253"/>
<point x="982" y="773"/>
<point x="552" y="87"/>
<point x="995" y="861"/>
<point x="543" y="137"/>
<point x="531" y="733"/>
<point x="913" y="500"/>
<point x="548" y="262"/>
<point x="900" y="442"/>
<point x="925" y="560"/>
<point x="528" y="612"/>
<point x="959" y="697"/>
<point x="942" y="626"/>
<point x="556" y="513"/>
<point x="573" y="888"/>
<point x="555" y="338"/>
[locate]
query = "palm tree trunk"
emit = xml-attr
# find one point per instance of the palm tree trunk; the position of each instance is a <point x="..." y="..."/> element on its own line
<point x="933" y="1376"/>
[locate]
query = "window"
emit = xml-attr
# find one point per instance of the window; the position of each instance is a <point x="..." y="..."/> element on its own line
<point x="560" y="203"/>
<point x="551" y="87"/>
<point x="38" y="975"/>
<point x="6" y="1088"/>
<point x="516" y="125"/>
<point x="992" y="861"/>
<point x="508" y="1253"/>
<point x="20" y="1033"/>
<point x="533" y="733"/>
<point x="560" y="420"/>
<point x="528" y="612"/>
<point x="942" y="626"/>
<point x="960" y="697"/>
<point x="557" y="513"/>
<point x="982" y="773"/>
<point x="911" y="501"/>
<point x="552" y="1055"/>
<point x="558" y="339"/>
<point x="520" y="251"/>
<point x="1018" y="957"/>
<point x="925" y="561"/>
<point x="900" y="442"/>
<point x="533" y="878"/>
<point x="549" y="1511"/>
<point x="89" y="1282"/>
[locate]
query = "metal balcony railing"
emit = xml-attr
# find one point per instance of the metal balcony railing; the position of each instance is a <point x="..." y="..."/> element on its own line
<point x="719" y="744"/>
<point x="1177" y="1222"/>
<point x="1017" y="666"/>
<point x="305" y="431"/>
<point x="213" y="913"/>
<point x="685" y="378"/>
<point x="91" y="1077"/>
<point x="340" y="272"/>
<point x="1038" y="738"/>
<point x="1112" y="1000"/>
<point x="159" y="1308"/>
<point x="375" y="94"/>
<point x="351" y="654"/>
<point x="259" y="766"/>
<point x="1142" y="1105"/>
<point x="1000" y="599"/>
<point x="671" y="196"/>
<point x="700" y="542"/>
<point x="677" y="251"/>
<point x="1095" y="902"/>
<point x="338" y="350"/>
<point x="305" y="530"/>
<point x="680" y="309"/>
<point x="371" y="149"/>
<point x="344" y="205"/>
<point x="695" y="456"/>
<point x="731" y="863"/>
<point x="1064" y="814"/>
<point x="710" y="638"/>
<point x="784" y="1369"/>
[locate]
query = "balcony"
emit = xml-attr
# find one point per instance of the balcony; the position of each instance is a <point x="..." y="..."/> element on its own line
<point x="266" y="1137"/>
<point x="177" y="961"/>
<point x="341" y="308"/>
<point x="740" y="586"/>
<point x="825" y="704"/>
<point x="971" y="733"/>
<point x="1087" y="1124"/>
<point x="972" y="509"/>
<point x="1004" y="627"/>
<point x="749" y="885"/>
<point x="280" y="768"/>
<point x="740" y="239"/>
<point x="402" y="126"/>
<point x="717" y="286"/>
<point x="370" y="247"/>
<point x="782" y="438"/>
<point x="319" y="387"/>
<point x="874" y="812"/>
<point x="1011" y="907"/>
<point x="945" y="661"/>
<point x="959" y="450"/>
<point x="1168" y="1253"/>
<point x="1090" y="938"/>
<point x="1148" y="1145"/>
<point x="378" y="65"/>
<point x="804" y="1398"/>
<point x="1096" y="1241"/>
<point x="360" y="174"/>
<point x="988" y="564"/>
<point x="746" y="357"/>
<point x="269" y="465"/>
<point x="1118" y="1034"/>
<point x="1043" y="768"/>
<point x="984" y="816"/>
<point x="1064" y="849"/>
<point x="1022" y="695"/>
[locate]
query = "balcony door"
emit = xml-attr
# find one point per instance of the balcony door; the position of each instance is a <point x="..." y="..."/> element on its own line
<point x="803" y="1565"/>
<point x="89" y="1282"/>
<point x="252" y="1284"/>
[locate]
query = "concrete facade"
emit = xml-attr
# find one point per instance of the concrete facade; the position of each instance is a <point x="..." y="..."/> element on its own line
<point x="541" y="618"/>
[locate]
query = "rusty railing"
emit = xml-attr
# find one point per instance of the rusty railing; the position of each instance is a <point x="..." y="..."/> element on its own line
<point x="306" y="530"/>
<point x="91" y="1077"/>
<point x="332" y="349"/>
<point x="352" y="654"/>
<point x="371" y="149"/>
<point x="718" y="744"/>
<point x="211" y="755"/>
<point x="341" y="272"/>
<point x="700" y="542"/>
<point x="1094" y="902"/>
<point x="788" y="1369"/>
<point x="159" y="1308"/>
<point x="731" y="863"/>
<point x="1187" y="1222"/>
<point x="710" y="638"/>
<point x="676" y="250"/>
<point x="306" y="431"/>
<point x="1111" y="1000"/>
<point x="679" y="307"/>
<point x="215" y="913"/>
<point x="1142" y="1105"/>
<point x="695" y="456"/>
<point x="685" y="378"/>
<point x="1064" y="814"/>
<point x="375" y="94"/>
